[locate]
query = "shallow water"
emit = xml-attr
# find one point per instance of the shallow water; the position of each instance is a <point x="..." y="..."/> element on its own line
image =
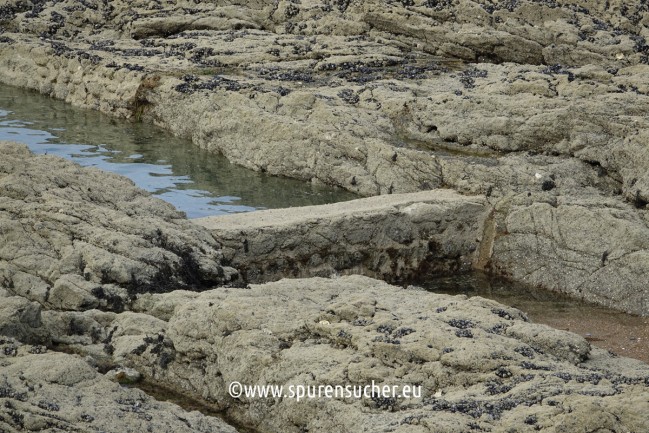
<point x="197" y="182"/>
<point x="621" y="333"/>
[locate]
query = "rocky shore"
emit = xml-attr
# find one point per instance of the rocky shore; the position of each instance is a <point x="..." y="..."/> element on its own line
<point x="541" y="107"/>
<point x="72" y="330"/>
<point x="509" y="136"/>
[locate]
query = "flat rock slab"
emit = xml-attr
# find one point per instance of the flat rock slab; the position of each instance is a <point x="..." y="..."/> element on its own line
<point x="481" y="365"/>
<point x="48" y="391"/>
<point x="393" y="237"/>
<point x="78" y="238"/>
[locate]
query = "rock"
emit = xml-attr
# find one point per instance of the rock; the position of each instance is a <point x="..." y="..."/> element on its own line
<point x="396" y="238"/>
<point x="76" y="327"/>
<point x="481" y="365"/>
<point x="43" y="390"/>
<point x="539" y="107"/>
<point x="21" y="319"/>
<point x="124" y="375"/>
<point x="78" y="239"/>
<point x="591" y="248"/>
<point x="162" y="307"/>
<point x="262" y="84"/>
<point x="539" y="81"/>
<point x="563" y="345"/>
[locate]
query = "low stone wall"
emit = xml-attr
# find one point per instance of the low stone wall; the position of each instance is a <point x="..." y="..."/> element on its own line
<point x="591" y="248"/>
<point x="392" y="237"/>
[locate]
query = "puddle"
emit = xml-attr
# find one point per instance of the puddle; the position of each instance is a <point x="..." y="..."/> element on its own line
<point x="197" y="182"/>
<point x="621" y="333"/>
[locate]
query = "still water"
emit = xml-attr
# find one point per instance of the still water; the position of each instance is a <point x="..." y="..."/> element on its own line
<point x="197" y="182"/>
<point x="621" y="333"/>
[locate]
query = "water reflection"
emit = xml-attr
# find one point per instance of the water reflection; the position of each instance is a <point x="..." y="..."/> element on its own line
<point x="195" y="181"/>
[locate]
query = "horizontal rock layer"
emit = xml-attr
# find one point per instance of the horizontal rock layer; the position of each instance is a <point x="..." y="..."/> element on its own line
<point x="398" y="237"/>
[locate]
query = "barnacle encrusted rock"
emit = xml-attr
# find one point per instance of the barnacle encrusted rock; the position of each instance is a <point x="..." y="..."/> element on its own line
<point x="481" y="365"/>
<point x="77" y="238"/>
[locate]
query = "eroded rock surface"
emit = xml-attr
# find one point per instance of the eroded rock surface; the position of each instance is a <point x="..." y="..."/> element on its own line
<point x="539" y="106"/>
<point x="77" y="238"/>
<point x="482" y="366"/>
<point x="523" y="101"/>
<point x="333" y="91"/>
<point x="42" y="390"/>
<point x="591" y="248"/>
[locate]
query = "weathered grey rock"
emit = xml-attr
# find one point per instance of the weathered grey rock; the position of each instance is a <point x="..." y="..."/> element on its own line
<point x="392" y="237"/>
<point x="76" y="239"/>
<point x="331" y="93"/>
<point x="352" y="94"/>
<point x="124" y="375"/>
<point x="481" y="365"/>
<point x="42" y="390"/>
<point x="355" y="94"/>
<point x="21" y="319"/>
<point x="591" y="248"/>
<point x="162" y="307"/>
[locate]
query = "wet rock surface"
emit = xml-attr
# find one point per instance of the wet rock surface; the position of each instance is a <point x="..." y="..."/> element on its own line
<point x="77" y="238"/>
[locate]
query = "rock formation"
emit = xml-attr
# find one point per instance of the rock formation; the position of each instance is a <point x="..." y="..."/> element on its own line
<point x="530" y="103"/>
<point x="77" y="239"/>
<point x="42" y="390"/>
<point x="397" y="238"/>
<point x="534" y="111"/>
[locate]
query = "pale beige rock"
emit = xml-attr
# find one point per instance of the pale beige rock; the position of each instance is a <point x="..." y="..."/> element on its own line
<point x="316" y="51"/>
<point x="350" y="94"/>
<point x="355" y="94"/>
<point x="479" y="363"/>
<point x="595" y="249"/>
<point x="48" y="391"/>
